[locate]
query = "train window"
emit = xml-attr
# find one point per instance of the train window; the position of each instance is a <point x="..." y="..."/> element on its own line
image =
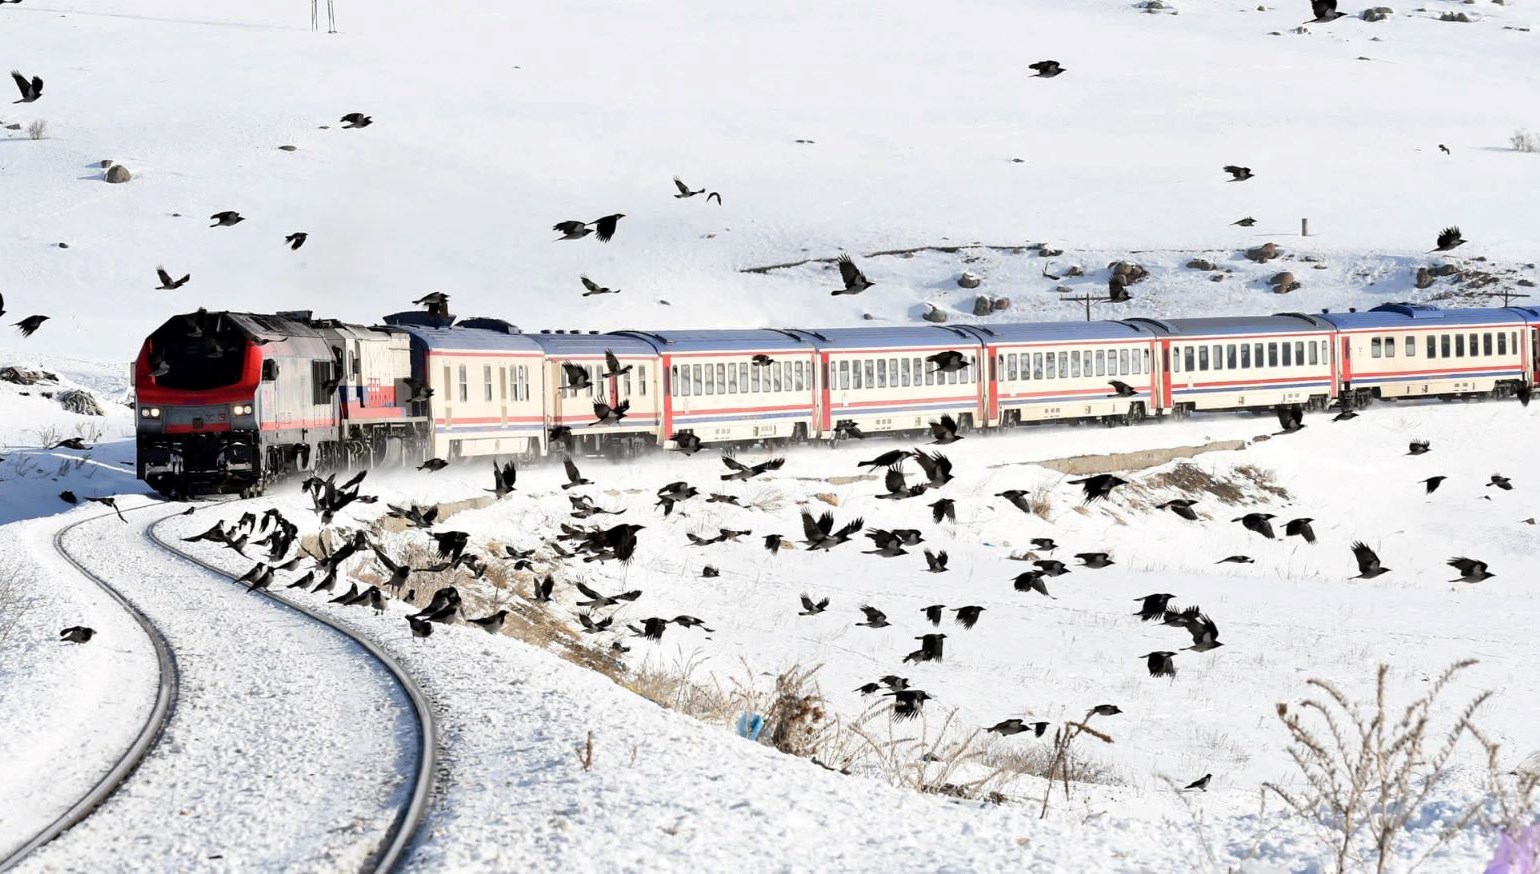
<point x="1231" y="362"/>
<point x="1203" y="358"/>
<point x="754" y="378"/>
<point x="1315" y="354"/>
<point x="743" y="377"/>
<point x="1037" y="365"/>
<point x="1459" y="345"/>
<point x="882" y="373"/>
<point x="1475" y="345"/>
<point x="1272" y="354"/>
<point x="1390" y="347"/>
<point x="1176" y="359"/>
<point x="1288" y="355"/>
<point x="732" y="379"/>
<point x="445" y="386"/>
<point x="856" y="379"/>
<point x="1245" y="358"/>
<point x="1100" y="362"/>
<point x="801" y="369"/>
<point x="320" y="373"/>
<point x="1123" y="362"/>
<point x="524" y="382"/>
<point x="1189" y="359"/>
<point x="1053" y="371"/>
<point x="1486" y="344"/>
<point x="1063" y="365"/>
<point x="903" y="369"/>
<point x="1138" y="362"/>
<point x="502" y="383"/>
<point x="675" y="388"/>
<point x="1432" y="346"/>
<point x="869" y="367"/>
<point x="1299" y="352"/>
<point x="354" y="363"/>
<point x="1513" y="341"/>
<point x="711" y="380"/>
<point x="721" y="380"/>
<point x="893" y="372"/>
<point x="465" y="386"/>
<point x="270" y="370"/>
<point x="844" y="374"/>
<point x="700" y="384"/>
<point x="1074" y="364"/>
<point x="486" y="381"/>
<point x="775" y="376"/>
<point x="1145" y="354"/>
<point x="1502" y="343"/>
<point x="1411" y="346"/>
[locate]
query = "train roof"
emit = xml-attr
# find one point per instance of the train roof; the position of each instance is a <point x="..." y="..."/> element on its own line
<point x="269" y="326"/>
<point x="575" y="343"/>
<point x="1036" y="332"/>
<point x="1405" y="315"/>
<point x="887" y="337"/>
<point x="454" y="338"/>
<point x="725" y="339"/>
<point x="1230" y="326"/>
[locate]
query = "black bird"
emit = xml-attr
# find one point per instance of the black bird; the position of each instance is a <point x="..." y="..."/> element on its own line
<point x="761" y="360"/>
<point x="543" y="589"/>
<point x="503" y="478"/>
<point x="108" y="502"/>
<point x="491" y="624"/>
<point x="820" y="533"/>
<point x="577" y="378"/>
<point x="1448" y="239"/>
<point x="691" y="622"/>
<point x="604" y="228"/>
<point x="888" y="543"/>
<point x="968" y="616"/>
<point x="1205" y="634"/>
<point x="1201" y="783"/>
<point x="1236" y="559"/>
<point x="1051" y="567"/>
<point x="604" y="414"/>
<point x="1031" y="581"/>
<point x="1246" y="222"/>
<point x="1094" y="560"/>
<point x="1344" y="416"/>
<point x="296" y="239"/>
<point x="226" y="219"/>
<point x="1443" y="148"/>
<point x="253" y="578"/>
<point x="944" y="508"/>
<point x="686" y="442"/>
<point x="1181" y="507"/>
<point x="28" y="326"/>
<point x="673" y="493"/>
<point x="1046" y="69"/>
<point x="898" y="487"/>
<point x="599" y="602"/>
<point x="933" y="613"/>
<point x="652" y="628"/>
<point x="931" y="649"/>
<point x="847" y="428"/>
<point x="719" y="498"/>
<point x="1046" y="544"/>
<point x="950" y="361"/>
<point x="710" y="572"/>
<point x="907" y="703"/>
<point x="76" y="634"/>
<point x="420" y="627"/>
<point x="1105" y="710"/>
<point x="1368" y="563"/>
<point x="1501" y="482"/>
<point x="773" y="543"/>
<point x="944" y="431"/>
<point x="1017" y="498"/>
<point x="1122" y="389"/>
<point x="1300" y="528"/>
<point x="1153" y="606"/>
<point x="874" y="618"/>
<point x="355" y="119"/>
<point x="938" y="472"/>
<point x="592" y="627"/>
<point x="30" y="91"/>
<point x="936" y="561"/>
<point x="1471" y="570"/>
<point x="1017" y="726"/>
<point x="572" y="230"/>
<point x="716" y="196"/>
<point x="811" y="607"/>
<point x="886" y="459"/>
<point x="167" y="283"/>
<point x="574" y="477"/>
<point x="855" y="281"/>
<point x="1261" y="523"/>
<point x="1433" y="482"/>
<point x="742" y="471"/>
<point x="433" y="465"/>
<point x="1160" y="663"/>
<point x="684" y="190"/>
<point x="595" y="288"/>
<point x="1325" y="11"/>
<point x="1291" y="418"/>
<point x="1418" y="447"/>
<point x="612" y="365"/>
<point x="1098" y="487"/>
<point x="1240" y="174"/>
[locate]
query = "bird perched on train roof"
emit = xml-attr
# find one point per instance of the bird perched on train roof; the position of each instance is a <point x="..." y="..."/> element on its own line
<point x="855" y="281"/>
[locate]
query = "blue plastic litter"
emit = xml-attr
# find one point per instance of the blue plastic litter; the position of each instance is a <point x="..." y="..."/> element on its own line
<point x="751" y="725"/>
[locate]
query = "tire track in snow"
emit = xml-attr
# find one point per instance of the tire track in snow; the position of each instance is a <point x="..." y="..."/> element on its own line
<point x="266" y="761"/>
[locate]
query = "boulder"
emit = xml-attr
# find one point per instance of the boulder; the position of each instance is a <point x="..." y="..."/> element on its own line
<point x="79" y="402"/>
<point x="982" y="305"/>
<point x="1378" y="13"/>
<point x="118" y="173"/>
<point x="107" y="162"/>
<point x="1074" y="270"/>
<point x="1424" y="278"/>
<point x="1284" y="282"/>
<point x="934" y="314"/>
<point x="1004" y="303"/>
<point x="1128" y="274"/>
<point x="968" y="279"/>
<point x="1200" y="264"/>
<point x="1263" y="253"/>
<point x="22" y="376"/>
<point x="1455" y="16"/>
<point x="1445" y="270"/>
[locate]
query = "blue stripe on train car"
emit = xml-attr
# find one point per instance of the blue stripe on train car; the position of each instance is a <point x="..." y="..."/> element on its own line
<point x="1242" y="389"/>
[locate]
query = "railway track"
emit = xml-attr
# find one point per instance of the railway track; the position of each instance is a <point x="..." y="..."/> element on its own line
<point x="411" y="798"/>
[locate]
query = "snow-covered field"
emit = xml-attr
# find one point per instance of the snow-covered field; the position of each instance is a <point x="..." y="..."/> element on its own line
<point x="494" y="121"/>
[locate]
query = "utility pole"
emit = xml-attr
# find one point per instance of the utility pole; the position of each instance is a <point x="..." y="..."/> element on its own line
<point x="1087" y="300"/>
<point x="315" y="16"/>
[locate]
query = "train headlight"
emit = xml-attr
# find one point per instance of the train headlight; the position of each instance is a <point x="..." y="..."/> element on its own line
<point x="242" y="409"/>
<point x="149" y="412"/>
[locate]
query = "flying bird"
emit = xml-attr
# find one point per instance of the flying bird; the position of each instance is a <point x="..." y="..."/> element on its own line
<point x="684" y="190"/>
<point x="355" y="120"/>
<point x="28" y="326"/>
<point x="572" y="230"/>
<point x="1471" y="570"/>
<point x="1153" y="606"/>
<point x="1261" y="523"/>
<point x="1160" y="663"/>
<point x="1418" y="447"/>
<point x="936" y="561"/>
<point x="943" y="431"/>
<point x="1325" y="11"/>
<point x="1448" y="239"/>
<point x="1432" y="483"/>
<point x="167" y="283"/>
<point x="945" y="508"/>
<point x="1368" y="563"/>
<point x="968" y="616"/>
<point x="1443" y="148"/>
<point x="1046" y="69"/>
<point x="741" y="471"/>
<point x="612" y="365"/>
<point x="886" y="459"/>
<point x="1031" y="581"/>
<point x="595" y="288"/>
<point x="604" y="228"/>
<point x="855" y="281"/>
<point x="874" y="618"/>
<point x="1122" y="389"/>
<point x="1094" y="560"/>
<point x="1240" y="174"/>
<point x="1246" y="222"/>
<point x="1181" y="507"/>
<point x="226" y="219"/>
<point x="1205" y="634"/>
<point x="1291" y="418"/>
<point x="433" y="465"/>
<point x="938" y="472"/>
<point x="1300" y="528"/>
<point x="604" y="414"/>
<point x="30" y="91"/>
<point x="1098" y="487"/>
<point x="811" y="607"/>
<point x="1017" y="726"/>
<point x="1501" y="482"/>
<point x="296" y="239"/>
<point x="950" y="361"/>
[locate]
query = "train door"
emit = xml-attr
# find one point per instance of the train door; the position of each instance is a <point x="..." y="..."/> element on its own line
<point x="1163" y="399"/>
<point x="1346" y="359"/>
<point x="825" y="386"/>
<point x="1534" y="353"/>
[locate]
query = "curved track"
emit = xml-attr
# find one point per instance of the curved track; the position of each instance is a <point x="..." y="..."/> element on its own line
<point x="403" y="827"/>
<point x="149" y="733"/>
<point x="390" y="850"/>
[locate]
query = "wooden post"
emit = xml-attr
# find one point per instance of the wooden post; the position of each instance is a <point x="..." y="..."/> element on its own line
<point x="1304" y="227"/>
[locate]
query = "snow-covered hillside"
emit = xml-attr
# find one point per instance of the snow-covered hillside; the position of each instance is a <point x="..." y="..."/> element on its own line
<point x="492" y="122"/>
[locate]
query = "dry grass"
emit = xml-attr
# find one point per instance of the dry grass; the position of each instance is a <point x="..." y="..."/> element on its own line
<point x="37" y="130"/>
<point x="1369" y="768"/>
<point x="1244" y="484"/>
<point x="1039" y="761"/>
<point x="1524" y="141"/>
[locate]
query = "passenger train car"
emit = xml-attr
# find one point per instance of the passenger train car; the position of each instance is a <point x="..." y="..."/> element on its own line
<point x="234" y="401"/>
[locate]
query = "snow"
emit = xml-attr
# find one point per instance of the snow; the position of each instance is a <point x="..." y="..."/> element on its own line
<point x="274" y="712"/>
<point x="490" y="125"/>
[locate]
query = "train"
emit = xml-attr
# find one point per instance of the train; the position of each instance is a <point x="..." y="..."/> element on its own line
<point x="232" y="402"/>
